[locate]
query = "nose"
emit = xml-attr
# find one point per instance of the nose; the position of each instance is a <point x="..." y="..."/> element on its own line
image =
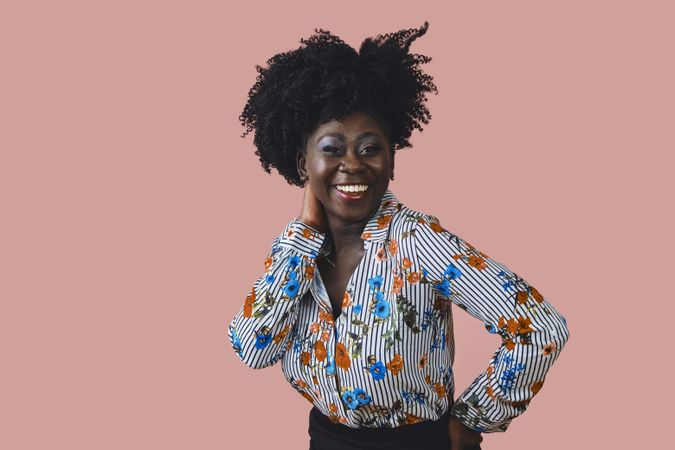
<point x="351" y="162"/>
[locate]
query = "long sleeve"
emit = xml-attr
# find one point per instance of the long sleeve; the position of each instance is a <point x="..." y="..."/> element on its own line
<point x="532" y="332"/>
<point x="260" y="332"/>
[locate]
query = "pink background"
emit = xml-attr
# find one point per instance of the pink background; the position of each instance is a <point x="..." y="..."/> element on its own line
<point x="135" y="218"/>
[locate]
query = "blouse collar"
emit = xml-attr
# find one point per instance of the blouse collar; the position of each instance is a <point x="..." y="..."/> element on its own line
<point x="377" y="228"/>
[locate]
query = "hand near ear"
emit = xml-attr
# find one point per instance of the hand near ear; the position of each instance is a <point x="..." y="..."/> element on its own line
<point x="312" y="212"/>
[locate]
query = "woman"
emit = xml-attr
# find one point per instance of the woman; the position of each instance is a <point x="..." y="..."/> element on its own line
<point x="355" y="298"/>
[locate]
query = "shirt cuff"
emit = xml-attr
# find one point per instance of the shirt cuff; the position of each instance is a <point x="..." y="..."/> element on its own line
<point x="302" y="238"/>
<point x="472" y="416"/>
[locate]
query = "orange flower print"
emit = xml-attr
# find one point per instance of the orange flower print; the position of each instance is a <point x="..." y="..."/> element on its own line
<point x="341" y="357"/>
<point x="315" y="380"/>
<point x="423" y="361"/>
<point x="548" y="349"/>
<point x="524" y="325"/>
<point x="411" y="420"/>
<point x="290" y="233"/>
<point x="248" y="304"/>
<point x="282" y="334"/>
<point x="414" y="277"/>
<point x="346" y="300"/>
<point x="490" y="370"/>
<point x="537" y="296"/>
<point x="268" y="262"/>
<point x="536" y="387"/>
<point x="512" y="326"/>
<point x="366" y="235"/>
<point x="380" y="256"/>
<point x="477" y="262"/>
<point x="309" y="272"/>
<point x="521" y="297"/>
<point x="307" y="396"/>
<point x="320" y="350"/>
<point x="395" y="365"/>
<point x="427" y="379"/>
<point x="421" y="220"/>
<point x="490" y="392"/>
<point x="307" y="232"/>
<point x="314" y="327"/>
<point x="304" y="358"/>
<point x="436" y="227"/>
<point x="333" y="408"/>
<point x="325" y="335"/>
<point x="383" y="221"/>
<point x="407" y="264"/>
<point x="440" y="389"/>
<point x="301" y="384"/>
<point x="510" y="345"/>
<point x="325" y="316"/>
<point x="398" y="284"/>
<point x="393" y="247"/>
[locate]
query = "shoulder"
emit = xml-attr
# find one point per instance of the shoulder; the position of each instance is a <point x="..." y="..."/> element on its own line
<point x="409" y="220"/>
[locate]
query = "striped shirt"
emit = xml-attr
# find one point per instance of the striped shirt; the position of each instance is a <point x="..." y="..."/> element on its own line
<point x="386" y="361"/>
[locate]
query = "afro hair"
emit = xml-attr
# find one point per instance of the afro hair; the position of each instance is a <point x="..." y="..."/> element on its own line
<point x="326" y="79"/>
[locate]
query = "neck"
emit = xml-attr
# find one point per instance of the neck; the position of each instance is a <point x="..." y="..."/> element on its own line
<point x="345" y="236"/>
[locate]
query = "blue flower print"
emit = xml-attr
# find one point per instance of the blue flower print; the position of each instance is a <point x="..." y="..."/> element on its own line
<point x="379" y="296"/>
<point x="382" y="309"/>
<point x="236" y="343"/>
<point x="357" y="309"/>
<point x="443" y="288"/>
<point x="378" y="370"/>
<point x="362" y="397"/>
<point x="291" y="288"/>
<point x="350" y="400"/>
<point x="491" y="328"/>
<point x="269" y="279"/>
<point x="452" y="271"/>
<point x="294" y="262"/>
<point x="293" y="275"/>
<point x="330" y="365"/>
<point x="419" y="397"/>
<point x="262" y="340"/>
<point x="375" y="282"/>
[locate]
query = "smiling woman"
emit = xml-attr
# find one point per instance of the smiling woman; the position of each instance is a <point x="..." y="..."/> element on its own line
<point x="355" y="298"/>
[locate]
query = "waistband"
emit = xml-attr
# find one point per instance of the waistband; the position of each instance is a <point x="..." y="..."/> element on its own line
<point x="427" y="431"/>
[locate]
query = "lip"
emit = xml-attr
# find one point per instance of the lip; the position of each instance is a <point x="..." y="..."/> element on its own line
<point x="348" y="196"/>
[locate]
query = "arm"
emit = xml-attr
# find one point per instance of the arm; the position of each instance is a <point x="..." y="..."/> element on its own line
<point x="260" y="332"/>
<point x="533" y="333"/>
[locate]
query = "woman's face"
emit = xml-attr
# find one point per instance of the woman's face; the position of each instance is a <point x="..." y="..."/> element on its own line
<point x="352" y="151"/>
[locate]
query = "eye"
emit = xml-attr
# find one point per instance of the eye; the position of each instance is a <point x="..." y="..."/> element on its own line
<point x="369" y="149"/>
<point x="331" y="149"/>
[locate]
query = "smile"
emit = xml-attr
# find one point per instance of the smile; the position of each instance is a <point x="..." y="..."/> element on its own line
<point x="351" y="191"/>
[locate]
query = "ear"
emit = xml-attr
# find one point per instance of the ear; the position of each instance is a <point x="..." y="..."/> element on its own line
<point x="301" y="159"/>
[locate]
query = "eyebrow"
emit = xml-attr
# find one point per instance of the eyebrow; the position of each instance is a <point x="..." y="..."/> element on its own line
<point x="341" y="136"/>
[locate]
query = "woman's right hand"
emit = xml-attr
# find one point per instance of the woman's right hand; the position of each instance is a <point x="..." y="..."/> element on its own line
<point x="312" y="212"/>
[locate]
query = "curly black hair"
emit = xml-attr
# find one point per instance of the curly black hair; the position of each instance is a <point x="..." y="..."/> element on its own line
<point x="326" y="79"/>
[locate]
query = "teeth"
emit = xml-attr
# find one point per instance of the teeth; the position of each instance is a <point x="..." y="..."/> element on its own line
<point x="353" y="188"/>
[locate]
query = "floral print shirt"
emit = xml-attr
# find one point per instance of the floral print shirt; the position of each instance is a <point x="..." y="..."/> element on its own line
<point x="386" y="361"/>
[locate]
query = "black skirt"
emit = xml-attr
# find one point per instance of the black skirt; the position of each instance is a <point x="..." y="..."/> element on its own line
<point x="427" y="435"/>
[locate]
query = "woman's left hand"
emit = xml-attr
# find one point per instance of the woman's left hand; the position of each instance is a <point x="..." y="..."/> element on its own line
<point x="463" y="437"/>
